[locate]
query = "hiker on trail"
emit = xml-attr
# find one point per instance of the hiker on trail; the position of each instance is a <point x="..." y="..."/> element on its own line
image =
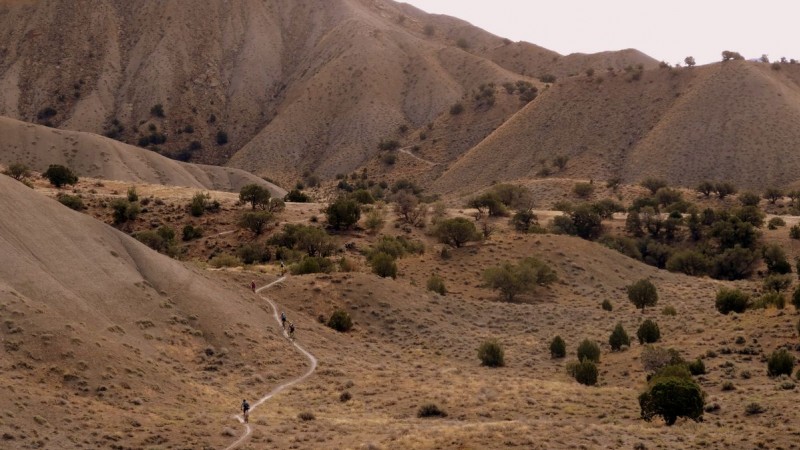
<point x="291" y="330"/>
<point x="283" y="268"/>
<point x="283" y="320"/>
<point x="253" y="285"/>
<point x="246" y="411"/>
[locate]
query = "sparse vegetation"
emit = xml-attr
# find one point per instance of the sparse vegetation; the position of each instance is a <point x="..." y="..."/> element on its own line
<point x="71" y="201"/>
<point x="732" y="300"/>
<point x="255" y="221"/>
<point x="436" y="284"/>
<point x="780" y="362"/>
<point x="456" y="232"/>
<point x="18" y="171"/>
<point x="430" y="410"/>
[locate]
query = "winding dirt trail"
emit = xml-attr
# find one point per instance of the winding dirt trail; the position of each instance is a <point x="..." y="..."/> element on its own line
<point x="312" y="367"/>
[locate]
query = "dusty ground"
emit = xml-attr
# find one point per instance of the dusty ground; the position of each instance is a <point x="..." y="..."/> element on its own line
<point x="409" y="347"/>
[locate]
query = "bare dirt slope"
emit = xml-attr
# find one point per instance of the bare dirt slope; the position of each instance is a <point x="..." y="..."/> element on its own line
<point x="727" y="121"/>
<point x="106" y="341"/>
<point x="95" y="156"/>
<point x="294" y="85"/>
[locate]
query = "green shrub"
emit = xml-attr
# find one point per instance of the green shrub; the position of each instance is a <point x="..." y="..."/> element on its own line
<point x="456" y="231"/>
<point x="697" y="367"/>
<point x="642" y="293"/>
<point x="777" y="283"/>
<point x="584" y="372"/>
<point x="296" y="196"/>
<point x="221" y="137"/>
<point x="255" y="221"/>
<point x="491" y="354"/>
<point x="17" y="171"/>
<point x="524" y="220"/>
<point x="383" y="265"/>
<point x="191" y="232"/>
<point x="436" y="284"/>
<point x="689" y="262"/>
<point x="776" y="222"/>
<point x="253" y="252"/>
<point x="124" y="211"/>
<point x="655" y="358"/>
<point x="343" y="213"/>
<point x="589" y="350"/>
<point x="513" y="279"/>
<point x="133" y="196"/>
<point x="71" y="201"/>
<point x="775" y="259"/>
<point x="749" y="199"/>
<point x="312" y="264"/>
<point x="606" y="305"/>
<point x="780" y="362"/>
<point x="731" y="300"/>
<point x="59" y="175"/>
<point x="198" y="204"/>
<point x="456" y="109"/>
<point x="619" y="338"/>
<point x="158" y="111"/>
<point x="430" y="410"/>
<point x="547" y="78"/>
<point x="255" y="194"/>
<point x="794" y="231"/>
<point x="670" y="397"/>
<point x="558" y="348"/>
<point x="224" y="260"/>
<point x="583" y="190"/>
<point x="648" y="332"/>
<point x="340" y="321"/>
<point x="653" y="184"/>
<point x="669" y="311"/>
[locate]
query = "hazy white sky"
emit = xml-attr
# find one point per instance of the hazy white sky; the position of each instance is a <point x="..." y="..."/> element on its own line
<point x="666" y="30"/>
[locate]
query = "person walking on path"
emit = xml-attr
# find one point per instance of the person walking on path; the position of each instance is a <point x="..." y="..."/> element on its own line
<point x="246" y="411"/>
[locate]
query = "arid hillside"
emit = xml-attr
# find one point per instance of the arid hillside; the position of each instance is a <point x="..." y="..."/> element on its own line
<point x="90" y="155"/>
<point x="734" y="121"/>
<point x="278" y="88"/>
<point x="105" y="340"/>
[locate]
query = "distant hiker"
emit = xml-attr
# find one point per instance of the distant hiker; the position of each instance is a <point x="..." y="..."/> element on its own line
<point x="253" y="285"/>
<point x="283" y="320"/>
<point x="291" y="330"/>
<point x="246" y="411"/>
<point x="283" y="268"/>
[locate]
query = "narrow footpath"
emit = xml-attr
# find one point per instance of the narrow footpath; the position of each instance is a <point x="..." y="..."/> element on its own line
<point x="312" y="367"/>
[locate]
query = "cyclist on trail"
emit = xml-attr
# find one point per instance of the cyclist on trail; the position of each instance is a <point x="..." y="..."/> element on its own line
<point x="246" y="411"/>
<point x="283" y="320"/>
<point x="253" y="285"/>
<point x="291" y="330"/>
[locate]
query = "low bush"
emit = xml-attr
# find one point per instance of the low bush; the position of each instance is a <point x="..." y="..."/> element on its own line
<point x="619" y="338"/>
<point x="588" y="350"/>
<point x="780" y="362"/>
<point x="383" y="265"/>
<point x="558" y="348"/>
<point x="731" y="300"/>
<point x="697" y="367"/>
<point x="648" y="332"/>
<point x="436" y="284"/>
<point x="71" y="201"/>
<point x="224" y="260"/>
<point x="430" y="410"/>
<point x="312" y="264"/>
<point x="672" y="394"/>
<point x="191" y="232"/>
<point x="340" y="321"/>
<point x="584" y="371"/>
<point x="606" y="305"/>
<point x="491" y="354"/>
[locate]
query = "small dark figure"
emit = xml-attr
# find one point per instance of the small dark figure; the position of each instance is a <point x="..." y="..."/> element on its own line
<point x="253" y="285"/>
<point x="283" y="320"/>
<point x="291" y="330"/>
<point x="246" y="411"/>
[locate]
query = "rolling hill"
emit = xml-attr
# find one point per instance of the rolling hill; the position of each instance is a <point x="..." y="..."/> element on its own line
<point x="90" y="155"/>
<point x="277" y="88"/>
<point x="734" y="121"/>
